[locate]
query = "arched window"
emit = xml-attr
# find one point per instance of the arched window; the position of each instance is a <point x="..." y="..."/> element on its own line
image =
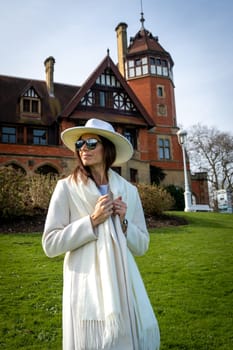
<point x="17" y="167"/>
<point x="46" y="169"/>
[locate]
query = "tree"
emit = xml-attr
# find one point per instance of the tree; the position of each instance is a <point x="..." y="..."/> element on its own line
<point x="211" y="150"/>
<point x="157" y="175"/>
<point x="178" y="194"/>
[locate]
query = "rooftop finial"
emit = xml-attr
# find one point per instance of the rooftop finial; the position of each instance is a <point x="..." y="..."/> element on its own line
<point x="142" y="20"/>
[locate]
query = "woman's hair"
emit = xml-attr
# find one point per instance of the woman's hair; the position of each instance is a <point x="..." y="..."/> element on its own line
<point x="109" y="156"/>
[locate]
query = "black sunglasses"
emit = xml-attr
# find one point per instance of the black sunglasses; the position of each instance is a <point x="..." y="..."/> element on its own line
<point x="90" y="144"/>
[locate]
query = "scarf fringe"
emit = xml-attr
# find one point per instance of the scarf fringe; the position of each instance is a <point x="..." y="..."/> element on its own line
<point x="114" y="326"/>
<point x="96" y="335"/>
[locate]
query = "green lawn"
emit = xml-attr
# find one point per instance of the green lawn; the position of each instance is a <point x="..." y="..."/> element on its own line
<point x="188" y="274"/>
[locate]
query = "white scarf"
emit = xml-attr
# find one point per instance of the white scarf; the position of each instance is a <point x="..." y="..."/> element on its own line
<point x="112" y="280"/>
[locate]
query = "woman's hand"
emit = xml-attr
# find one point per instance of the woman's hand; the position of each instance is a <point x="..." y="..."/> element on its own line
<point x="119" y="208"/>
<point x="103" y="209"/>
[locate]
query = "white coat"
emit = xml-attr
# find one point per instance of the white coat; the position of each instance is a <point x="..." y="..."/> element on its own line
<point x="105" y="305"/>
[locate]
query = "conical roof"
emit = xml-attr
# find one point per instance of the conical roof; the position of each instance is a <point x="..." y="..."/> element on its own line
<point x="145" y="42"/>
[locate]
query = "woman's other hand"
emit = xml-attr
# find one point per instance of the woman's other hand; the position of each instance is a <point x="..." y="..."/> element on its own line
<point x="103" y="209"/>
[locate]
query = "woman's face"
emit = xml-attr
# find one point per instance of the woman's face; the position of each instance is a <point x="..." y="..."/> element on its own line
<point x="91" y="157"/>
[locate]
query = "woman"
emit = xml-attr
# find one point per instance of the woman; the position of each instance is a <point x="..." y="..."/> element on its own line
<point x="95" y="217"/>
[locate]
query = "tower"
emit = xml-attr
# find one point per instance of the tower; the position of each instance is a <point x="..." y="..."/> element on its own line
<point x="148" y="69"/>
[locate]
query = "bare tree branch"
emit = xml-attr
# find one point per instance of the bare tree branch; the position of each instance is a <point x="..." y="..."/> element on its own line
<point x="211" y="150"/>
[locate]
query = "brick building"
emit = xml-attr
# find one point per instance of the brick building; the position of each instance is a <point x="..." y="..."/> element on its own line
<point x="136" y="96"/>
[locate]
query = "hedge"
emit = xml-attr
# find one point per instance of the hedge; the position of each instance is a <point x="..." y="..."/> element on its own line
<point x="24" y="195"/>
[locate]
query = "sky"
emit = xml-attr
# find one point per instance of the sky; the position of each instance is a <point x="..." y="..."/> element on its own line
<point x="198" y="34"/>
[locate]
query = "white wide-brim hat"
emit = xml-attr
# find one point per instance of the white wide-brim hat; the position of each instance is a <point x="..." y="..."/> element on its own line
<point x="124" y="149"/>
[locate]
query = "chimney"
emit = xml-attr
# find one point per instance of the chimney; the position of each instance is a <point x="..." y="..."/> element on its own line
<point x="121" y="31"/>
<point x="49" y="69"/>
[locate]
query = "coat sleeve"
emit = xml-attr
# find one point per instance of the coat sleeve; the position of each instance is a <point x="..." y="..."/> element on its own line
<point x="137" y="235"/>
<point x="60" y="234"/>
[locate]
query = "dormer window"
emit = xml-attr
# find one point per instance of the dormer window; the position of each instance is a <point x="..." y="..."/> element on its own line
<point x="30" y="104"/>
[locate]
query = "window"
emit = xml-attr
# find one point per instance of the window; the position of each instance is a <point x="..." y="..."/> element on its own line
<point x="159" y="66"/>
<point x="164" y="68"/>
<point x="148" y="65"/>
<point x="46" y="170"/>
<point x="26" y="105"/>
<point x="30" y="103"/>
<point x="8" y="134"/>
<point x="160" y="91"/>
<point x="152" y="65"/>
<point x="107" y="92"/>
<point x="131" y="135"/>
<point x="102" y="98"/>
<point x="107" y="79"/>
<point x="111" y="99"/>
<point x="30" y="106"/>
<point x="133" y="175"/>
<point x="39" y="137"/>
<point x="35" y="106"/>
<point x="138" y="67"/>
<point x="17" y="167"/>
<point x="164" y="149"/>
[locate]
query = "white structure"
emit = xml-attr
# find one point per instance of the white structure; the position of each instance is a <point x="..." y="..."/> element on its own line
<point x="224" y="201"/>
<point x="182" y="134"/>
<point x="201" y="207"/>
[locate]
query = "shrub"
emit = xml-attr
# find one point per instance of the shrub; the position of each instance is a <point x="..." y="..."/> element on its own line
<point x="12" y="192"/>
<point x="41" y="188"/>
<point x="178" y="194"/>
<point x="22" y="195"/>
<point x="155" y="199"/>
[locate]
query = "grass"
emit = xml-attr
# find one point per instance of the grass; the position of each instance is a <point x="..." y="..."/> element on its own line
<point x="187" y="272"/>
<point x="31" y="287"/>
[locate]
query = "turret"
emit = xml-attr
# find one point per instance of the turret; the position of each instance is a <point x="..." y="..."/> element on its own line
<point x="146" y="56"/>
<point x="147" y="67"/>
